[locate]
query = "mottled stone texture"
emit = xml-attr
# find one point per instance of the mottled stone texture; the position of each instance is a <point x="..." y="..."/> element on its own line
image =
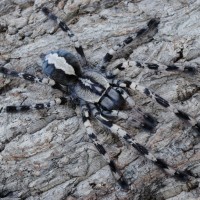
<point x="47" y="155"/>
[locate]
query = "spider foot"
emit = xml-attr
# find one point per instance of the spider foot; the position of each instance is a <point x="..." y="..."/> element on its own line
<point x="14" y="109"/>
<point x="45" y="10"/>
<point x="182" y="176"/>
<point x="3" y="70"/>
<point x="185" y="175"/>
<point x="153" y="23"/>
<point x="188" y="177"/>
<point x="123" y="184"/>
<point x="196" y="127"/>
<point x="190" y="70"/>
<point x="152" y="26"/>
<point x="149" y="122"/>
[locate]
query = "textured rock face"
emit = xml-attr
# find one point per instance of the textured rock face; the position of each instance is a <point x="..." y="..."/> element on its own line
<point x="47" y="154"/>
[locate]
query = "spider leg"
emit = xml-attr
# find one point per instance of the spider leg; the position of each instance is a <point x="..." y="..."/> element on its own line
<point x="141" y="119"/>
<point x="92" y="135"/>
<point x="115" y="113"/>
<point x="114" y="128"/>
<point x="160" y="100"/>
<point x="37" y="106"/>
<point x="151" y="66"/>
<point x="126" y="97"/>
<point x="142" y="36"/>
<point x="66" y="29"/>
<point x="27" y="77"/>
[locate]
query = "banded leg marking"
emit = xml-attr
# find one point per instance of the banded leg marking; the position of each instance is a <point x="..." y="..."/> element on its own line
<point x="92" y="135"/>
<point x="140" y="120"/>
<point x="28" y="77"/>
<point x="142" y="36"/>
<point x="115" y="113"/>
<point x="141" y="149"/>
<point x="126" y="97"/>
<point x="152" y="66"/>
<point x="37" y="106"/>
<point x="160" y="100"/>
<point x="66" y="29"/>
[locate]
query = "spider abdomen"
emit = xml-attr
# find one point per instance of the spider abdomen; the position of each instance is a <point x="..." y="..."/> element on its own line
<point x="62" y="66"/>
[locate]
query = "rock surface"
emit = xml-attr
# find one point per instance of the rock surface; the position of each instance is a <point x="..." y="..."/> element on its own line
<point x="47" y="154"/>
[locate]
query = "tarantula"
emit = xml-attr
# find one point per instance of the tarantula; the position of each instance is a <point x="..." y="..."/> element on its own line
<point x="100" y="95"/>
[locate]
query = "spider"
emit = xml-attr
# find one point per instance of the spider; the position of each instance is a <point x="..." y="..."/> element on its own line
<point x="101" y="95"/>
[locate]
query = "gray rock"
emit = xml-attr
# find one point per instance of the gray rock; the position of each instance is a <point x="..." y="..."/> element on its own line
<point x="47" y="154"/>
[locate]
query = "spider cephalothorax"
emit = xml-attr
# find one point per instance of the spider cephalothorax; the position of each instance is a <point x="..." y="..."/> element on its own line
<point x="101" y="95"/>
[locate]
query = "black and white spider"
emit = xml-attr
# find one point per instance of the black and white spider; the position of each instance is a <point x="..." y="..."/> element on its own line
<point x="100" y="95"/>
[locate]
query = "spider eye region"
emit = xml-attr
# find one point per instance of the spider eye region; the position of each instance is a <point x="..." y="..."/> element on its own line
<point x="61" y="66"/>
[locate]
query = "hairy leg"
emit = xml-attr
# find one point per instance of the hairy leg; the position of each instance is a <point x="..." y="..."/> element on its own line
<point x="160" y="100"/>
<point x="114" y="128"/>
<point x="37" y="106"/>
<point x="92" y="135"/>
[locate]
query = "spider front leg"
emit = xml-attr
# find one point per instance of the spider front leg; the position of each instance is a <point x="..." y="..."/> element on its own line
<point x="114" y="128"/>
<point x="160" y="100"/>
<point x="92" y="135"/>
<point x="142" y="36"/>
<point x="37" y="106"/>
<point x="66" y="29"/>
<point x="27" y="77"/>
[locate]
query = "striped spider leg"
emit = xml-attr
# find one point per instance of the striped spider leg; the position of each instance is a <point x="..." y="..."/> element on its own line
<point x="114" y="128"/>
<point x="151" y="66"/>
<point x="144" y="35"/>
<point x="69" y="32"/>
<point x="160" y="100"/>
<point x="37" y="106"/>
<point x="34" y="79"/>
<point x="92" y="135"/>
<point x="27" y="77"/>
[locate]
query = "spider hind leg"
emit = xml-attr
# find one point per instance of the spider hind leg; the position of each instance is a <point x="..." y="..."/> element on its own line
<point x="92" y="135"/>
<point x="114" y="128"/>
<point x="144" y="35"/>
